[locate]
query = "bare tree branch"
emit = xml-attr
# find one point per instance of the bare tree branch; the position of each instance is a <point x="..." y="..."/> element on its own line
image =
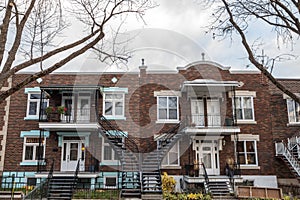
<point x="57" y="65"/>
<point x="30" y="31"/>
<point x="252" y="58"/>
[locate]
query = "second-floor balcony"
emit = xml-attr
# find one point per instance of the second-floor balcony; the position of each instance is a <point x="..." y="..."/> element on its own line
<point x="209" y="108"/>
<point x="69" y="107"/>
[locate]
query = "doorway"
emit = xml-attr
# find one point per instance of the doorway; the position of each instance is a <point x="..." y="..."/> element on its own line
<point x="207" y="152"/>
<point x="71" y="153"/>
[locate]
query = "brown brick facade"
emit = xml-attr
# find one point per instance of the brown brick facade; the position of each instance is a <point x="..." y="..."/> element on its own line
<point x="141" y="116"/>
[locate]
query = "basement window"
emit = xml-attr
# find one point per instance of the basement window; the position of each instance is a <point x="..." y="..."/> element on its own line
<point x="110" y="182"/>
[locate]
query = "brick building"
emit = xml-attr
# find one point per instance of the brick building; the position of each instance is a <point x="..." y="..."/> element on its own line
<point x="116" y="128"/>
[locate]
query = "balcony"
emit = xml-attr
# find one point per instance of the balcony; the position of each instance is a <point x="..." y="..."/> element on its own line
<point x="211" y="124"/>
<point x="69" y="108"/>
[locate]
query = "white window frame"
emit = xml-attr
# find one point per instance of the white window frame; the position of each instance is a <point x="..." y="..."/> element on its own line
<point x="35" y="145"/>
<point x="245" y="153"/>
<point x="168" y="118"/>
<point x="294" y="114"/>
<point x="113" y="115"/>
<point x="175" y="147"/>
<point x="243" y="115"/>
<point x="38" y="101"/>
<point x="110" y="176"/>
<point x="112" y="161"/>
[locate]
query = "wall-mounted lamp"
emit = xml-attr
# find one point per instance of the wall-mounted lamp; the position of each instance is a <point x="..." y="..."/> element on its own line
<point x="223" y="142"/>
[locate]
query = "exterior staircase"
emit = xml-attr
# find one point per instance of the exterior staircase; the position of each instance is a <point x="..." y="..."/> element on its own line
<point x="61" y="187"/>
<point x="126" y="153"/>
<point x="219" y="189"/>
<point x="141" y="177"/>
<point x="287" y="156"/>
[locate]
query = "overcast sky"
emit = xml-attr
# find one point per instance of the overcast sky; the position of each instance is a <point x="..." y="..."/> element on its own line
<point x="175" y="35"/>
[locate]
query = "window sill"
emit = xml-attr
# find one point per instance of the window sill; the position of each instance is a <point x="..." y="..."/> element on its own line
<point x="114" y="118"/>
<point x="167" y="121"/>
<point x="293" y="124"/>
<point x="246" y="122"/>
<point x="31" y="163"/>
<point x="31" y="118"/>
<point x="110" y="163"/>
<point x="170" y="167"/>
<point x="249" y="167"/>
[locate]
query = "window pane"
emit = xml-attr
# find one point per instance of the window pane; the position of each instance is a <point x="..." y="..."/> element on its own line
<point x="251" y="159"/>
<point x="173" y="158"/>
<point x="242" y="159"/>
<point x="173" y="114"/>
<point x="165" y="160"/>
<point x="238" y="102"/>
<point x="250" y="146"/>
<point x="247" y="102"/>
<point x="33" y="108"/>
<point x="35" y="96"/>
<point x="162" y="102"/>
<point x="297" y="110"/>
<point x="74" y="151"/>
<point x="119" y="108"/>
<point x="240" y="147"/>
<point x="248" y="114"/>
<point x="239" y="114"/>
<point x="39" y="153"/>
<point x="29" y="153"/>
<point x="118" y="96"/>
<point x="110" y="181"/>
<point x="207" y="160"/>
<point x="291" y="110"/>
<point x="107" y="153"/>
<point x="162" y="114"/>
<point x="108" y="108"/>
<point x="172" y="102"/>
<point x="108" y="96"/>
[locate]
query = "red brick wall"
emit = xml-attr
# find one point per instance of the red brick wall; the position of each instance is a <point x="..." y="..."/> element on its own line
<point x="140" y="113"/>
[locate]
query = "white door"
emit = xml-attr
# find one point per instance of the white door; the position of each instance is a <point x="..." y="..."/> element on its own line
<point x="83" y="109"/>
<point x="197" y="110"/>
<point x="68" y="103"/>
<point x="209" y="156"/>
<point x="71" y="153"/>
<point x="213" y="112"/>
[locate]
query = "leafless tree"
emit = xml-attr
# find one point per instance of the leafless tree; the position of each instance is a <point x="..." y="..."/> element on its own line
<point x="237" y="16"/>
<point x="30" y="32"/>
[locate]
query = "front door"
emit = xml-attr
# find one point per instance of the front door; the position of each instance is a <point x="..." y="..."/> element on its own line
<point x="207" y="152"/>
<point x="83" y="109"/>
<point x="71" y="153"/>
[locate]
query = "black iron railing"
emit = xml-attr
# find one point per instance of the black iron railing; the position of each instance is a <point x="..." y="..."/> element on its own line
<point x="114" y="132"/>
<point x="205" y="173"/>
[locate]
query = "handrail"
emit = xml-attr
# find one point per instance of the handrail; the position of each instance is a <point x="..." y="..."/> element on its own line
<point x="117" y="133"/>
<point x="76" y="174"/>
<point x="282" y="150"/>
<point x="42" y="190"/>
<point x="50" y="175"/>
<point x="166" y="137"/>
<point x="205" y="174"/>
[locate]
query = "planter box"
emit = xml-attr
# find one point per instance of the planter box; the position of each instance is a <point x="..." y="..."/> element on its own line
<point x="53" y="117"/>
<point x="259" y="192"/>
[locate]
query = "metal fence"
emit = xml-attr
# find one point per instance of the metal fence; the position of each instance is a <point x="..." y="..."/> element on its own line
<point x="13" y="184"/>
